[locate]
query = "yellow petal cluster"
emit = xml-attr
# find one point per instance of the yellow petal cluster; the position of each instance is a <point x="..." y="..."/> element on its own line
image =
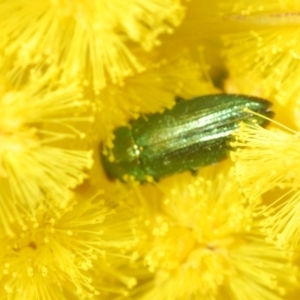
<point x="56" y="257"/>
<point x="202" y="240"/>
<point x="36" y="169"/>
<point x="87" y="39"/>
<point x="149" y="91"/>
<point x="276" y="152"/>
<point x="263" y="59"/>
<point x="73" y="71"/>
<point x="266" y="160"/>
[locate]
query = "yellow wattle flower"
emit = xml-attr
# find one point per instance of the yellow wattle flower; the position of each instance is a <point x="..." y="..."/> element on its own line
<point x="266" y="148"/>
<point x="87" y="39"/>
<point x="267" y="159"/>
<point x="60" y="256"/>
<point x="191" y="237"/>
<point x="38" y="167"/>
<point x="283" y="226"/>
<point x="263" y="58"/>
<point x="148" y="92"/>
<point x="203" y="240"/>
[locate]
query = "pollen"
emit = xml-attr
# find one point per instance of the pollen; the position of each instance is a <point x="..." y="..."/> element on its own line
<point x="89" y="40"/>
<point x="37" y="124"/>
<point x="206" y="242"/>
<point x="267" y="52"/>
<point x="152" y="90"/>
<point x="257" y="146"/>
<point x="61" y="254"/>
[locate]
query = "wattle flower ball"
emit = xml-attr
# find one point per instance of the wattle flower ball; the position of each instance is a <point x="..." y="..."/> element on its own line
<point x="71" y="72"/>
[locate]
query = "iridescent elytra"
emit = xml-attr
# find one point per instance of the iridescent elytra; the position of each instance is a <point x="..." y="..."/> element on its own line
<point x="192" y="134"/>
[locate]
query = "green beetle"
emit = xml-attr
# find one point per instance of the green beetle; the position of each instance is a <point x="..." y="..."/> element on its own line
<point x="192" y="134"/>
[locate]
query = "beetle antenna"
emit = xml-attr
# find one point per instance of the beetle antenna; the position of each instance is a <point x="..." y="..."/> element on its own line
<point x="246" y="109"/>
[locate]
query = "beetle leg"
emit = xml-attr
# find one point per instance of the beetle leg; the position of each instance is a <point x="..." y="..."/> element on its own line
<point x="194" y="172"/>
